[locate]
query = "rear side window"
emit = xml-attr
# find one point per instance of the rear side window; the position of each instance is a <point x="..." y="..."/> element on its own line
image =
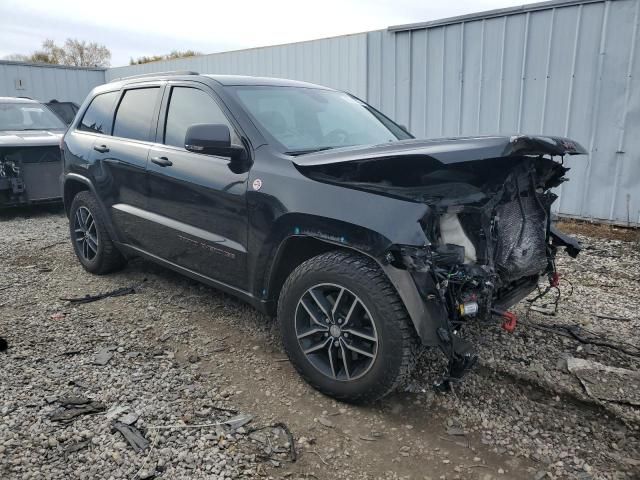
<point x="135" y="114"/>
<point x="97" y="118"/>
<point x="187" y="107"/>
<point x="66" y="111"/>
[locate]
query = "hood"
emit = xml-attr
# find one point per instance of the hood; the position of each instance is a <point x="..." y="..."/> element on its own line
<point x="30" y="138"/>
<point x="450" y="150"/>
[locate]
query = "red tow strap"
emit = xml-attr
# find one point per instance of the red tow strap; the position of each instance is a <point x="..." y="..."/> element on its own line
<point x="511" y="321"/>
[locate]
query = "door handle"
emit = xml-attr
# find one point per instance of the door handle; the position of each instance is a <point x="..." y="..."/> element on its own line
<point x="101" y="148"/>
<point x="162" y="161"/>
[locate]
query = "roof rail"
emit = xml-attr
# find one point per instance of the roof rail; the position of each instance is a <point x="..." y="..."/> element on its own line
<point x="157" y="74"/>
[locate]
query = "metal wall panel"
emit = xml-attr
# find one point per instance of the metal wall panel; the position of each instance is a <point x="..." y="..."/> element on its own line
<point x="339" y="62"/>
<point x="564" y="68"/>
<point x="46" y="82"/>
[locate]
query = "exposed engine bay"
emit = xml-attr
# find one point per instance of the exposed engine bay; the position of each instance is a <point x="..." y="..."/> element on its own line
<point x="489" y="233"/>
<point x="29" y="174"/>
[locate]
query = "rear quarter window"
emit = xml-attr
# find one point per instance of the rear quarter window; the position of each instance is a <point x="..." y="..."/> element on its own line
<point x="135" y="113"/>
<point x="97" y="118"/>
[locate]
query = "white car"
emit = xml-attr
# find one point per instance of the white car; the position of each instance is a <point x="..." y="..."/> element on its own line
<point x="30" y="161"/>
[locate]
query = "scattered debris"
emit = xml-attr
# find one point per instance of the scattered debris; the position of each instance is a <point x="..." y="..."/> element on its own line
<point x="74" y="400"/>
<point x="238" y="421"/>
<point x="46" y="247"/>
<point x="614" y="317"/>
<point x="72" y="408"/>
<point x="116" y="411"/>
<point x="593" y="338"/>
<point x="103" y="356"/>
<point x="118" y="292"/>
<point x="293" y="454"/>
<point x="607" y="383"/>
<point x="132" y="435"/>
<point x="130" y="418"/>
<point x="320" y="457"/>
<point x="325" y="422"/>
<point x="193" y="358"/>
<point x="456" y="432"/>
<point x="58" y="316"/>
<point x="76" y="447"/>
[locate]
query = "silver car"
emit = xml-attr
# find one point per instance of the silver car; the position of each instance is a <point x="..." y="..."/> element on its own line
<point x="30" y="161"/>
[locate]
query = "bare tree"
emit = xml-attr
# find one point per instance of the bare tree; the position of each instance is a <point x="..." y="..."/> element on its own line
<point x="77" y="53"/>
<point x="82" y="54"/>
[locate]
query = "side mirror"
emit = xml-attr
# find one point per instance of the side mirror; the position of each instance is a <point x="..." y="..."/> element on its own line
<point x="212" y="139"/>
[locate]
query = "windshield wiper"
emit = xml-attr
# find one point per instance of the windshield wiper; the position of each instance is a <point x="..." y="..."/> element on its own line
<point x="295" y="153"/>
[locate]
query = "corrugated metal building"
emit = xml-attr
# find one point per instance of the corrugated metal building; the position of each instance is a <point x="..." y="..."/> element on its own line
<point x="561" y="67"/>
<point x="46" y="82"/>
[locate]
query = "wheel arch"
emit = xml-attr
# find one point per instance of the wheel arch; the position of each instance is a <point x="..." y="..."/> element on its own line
<point x="293" y="251"/>
<point x="74" y="184"/>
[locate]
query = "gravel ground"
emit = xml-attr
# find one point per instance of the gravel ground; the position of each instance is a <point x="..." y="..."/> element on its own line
<point x="202" y="378"/>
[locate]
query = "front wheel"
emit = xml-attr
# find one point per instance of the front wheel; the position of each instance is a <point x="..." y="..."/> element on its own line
<point x="344" y="327"/>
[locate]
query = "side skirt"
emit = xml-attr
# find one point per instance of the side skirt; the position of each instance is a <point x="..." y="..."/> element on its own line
<point x="257" y="303"/>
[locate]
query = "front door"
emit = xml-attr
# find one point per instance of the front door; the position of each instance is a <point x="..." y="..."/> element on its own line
<point x="197" y="204"/>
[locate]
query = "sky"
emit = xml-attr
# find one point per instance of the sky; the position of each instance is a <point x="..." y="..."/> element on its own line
<point x="135" y="28"/>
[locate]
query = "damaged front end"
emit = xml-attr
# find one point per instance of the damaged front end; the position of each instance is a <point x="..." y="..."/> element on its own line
<point x="29" y="174"/>
<point x="489" y="237"/>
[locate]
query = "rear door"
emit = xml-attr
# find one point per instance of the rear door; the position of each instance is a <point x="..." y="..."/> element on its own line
<point x="93" y="127"/>
<point x="198" y="203"/>
<point x="121" y="160"/>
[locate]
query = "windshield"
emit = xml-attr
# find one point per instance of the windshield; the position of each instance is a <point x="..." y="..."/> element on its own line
<point x="305" y="120"/>
<point x="28" y="116"/>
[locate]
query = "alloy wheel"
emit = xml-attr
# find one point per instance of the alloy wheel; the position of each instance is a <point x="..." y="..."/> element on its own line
<point x="336" y="332"/>
<point x="86" y="233"/>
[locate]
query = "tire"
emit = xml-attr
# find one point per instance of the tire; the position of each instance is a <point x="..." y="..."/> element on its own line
<point x="379" y="315"/>
<point x="96" y="252"/>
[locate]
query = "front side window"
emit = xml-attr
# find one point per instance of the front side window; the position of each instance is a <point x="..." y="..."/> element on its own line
<point x="189" y="106"/>
<point x="302" y="120"/>
<point x="135" y="114"/>
<point x="97" y="118"/>
<point x="28" y="116"/>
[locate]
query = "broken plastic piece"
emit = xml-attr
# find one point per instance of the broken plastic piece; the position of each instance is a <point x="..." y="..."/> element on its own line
<point x="118" y="292"/>
<point x="73" y="409"/>
<point x="132" y="435"/>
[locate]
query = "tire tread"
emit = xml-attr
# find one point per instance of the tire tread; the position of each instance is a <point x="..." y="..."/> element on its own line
<point x="111" y="258"/>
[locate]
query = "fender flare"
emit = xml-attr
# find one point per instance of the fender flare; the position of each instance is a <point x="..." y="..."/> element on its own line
<point x="426" y="316"/>
<point x="91" y="187"/>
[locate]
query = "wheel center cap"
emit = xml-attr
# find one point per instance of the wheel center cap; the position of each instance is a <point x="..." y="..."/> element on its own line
<point x="335" y="331"/>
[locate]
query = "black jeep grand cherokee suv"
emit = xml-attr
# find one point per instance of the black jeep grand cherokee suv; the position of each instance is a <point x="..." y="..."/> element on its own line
<point x="310" y="204"/>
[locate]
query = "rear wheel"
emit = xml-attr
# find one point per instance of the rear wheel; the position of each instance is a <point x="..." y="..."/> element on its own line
<point x="344" y="327"/>
<point x="91" y="241"/>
